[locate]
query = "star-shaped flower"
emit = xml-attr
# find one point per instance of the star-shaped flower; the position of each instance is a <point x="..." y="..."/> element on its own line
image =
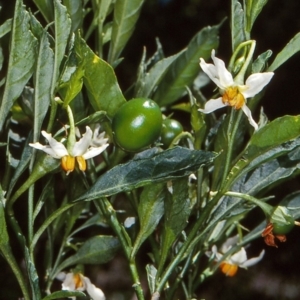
<point x="232" y="93"/>
<point x="231" y="263"/>
<point x="78" y="282"/>
<point x="82" y="150"/>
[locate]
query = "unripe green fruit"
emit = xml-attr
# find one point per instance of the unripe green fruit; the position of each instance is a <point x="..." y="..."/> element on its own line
<point x="170" y="129"/>
<point x="137" y="124"/>
<point x="281" y="229"/>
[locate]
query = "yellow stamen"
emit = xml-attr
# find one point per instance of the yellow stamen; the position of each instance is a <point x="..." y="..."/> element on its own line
<point x="233" y="97"/>
<point x="228" y="269"/>
<point x="81" y="163"/>
<point x="78" y="281"/>
<point x="68" y="163"/>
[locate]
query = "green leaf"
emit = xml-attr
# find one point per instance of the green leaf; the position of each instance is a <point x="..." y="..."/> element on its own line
<point x="126" y="14"/>
<point x="222" y="143"/>
<point x="1" y="65"/>
<point x="48" y="189"/>
<point x="46" y="8"/>
<point x="3" y="230"/>
<point x="100" y="80"/>
<point x="150" y="211"/>
<point x="260" y="63"/>
<point x="44" y="164"/>
<point x="170" y="164"/>
<point x="6" y="250"/>
<point x="97" y="219"/>
<point x="97" y="117"/>
<point x="42" y="84"/>
<point x="253" y="9"/>
<point x="75" y="11"/>
<point x="105" y="31"/>
<point x="5" y="27"/>
<point x="269" y="174"/>
<point x="101" y="11"/>
<point x="21" y="60"/>
<point x="151" y="276"/>
<point x="33" y="276"/>
<point x="273" y="140"/>
<point x="72" y="78"/>
<point x="276" y="139"/>
<point x="22" y="166"/>
<point x="185" y="68"/>
<point x="237" y="24"/>
<point x="62" y="23"/>
<point x="292" y="202"/>
<point x="262" y="179"/>
<point x="178" y="207"/>
<point x="147" y="84"/>
<point x="96" y="250"/>
<point x="291" y="48"/>
<point x="64" y="294"/>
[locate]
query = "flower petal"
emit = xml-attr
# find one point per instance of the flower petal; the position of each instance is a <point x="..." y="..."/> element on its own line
<point x="98" y="139"/>
<point x="212" y="105"/>
<point x="252" y="261"/>
<point x="229" y="243"/>
<point x="256" y="82"/>
<point x="247" y="112"/>
<point x="93" y="291"/>
<point x="46" y="149"/>
<point x="239" y="257"/>
<point x="69" y="283"/>
<point x="225" y="77"/>
<point x="82" y="145"/>
<point x="59" y="148"/>
<point x="94" y="151"/>
<point x="217" y="72"/>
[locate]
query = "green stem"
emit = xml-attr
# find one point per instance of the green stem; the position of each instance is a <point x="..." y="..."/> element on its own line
<point x="231" y="133"/>
<point x="72" y="137"/>
<point x="246" y="63"/>
<point x="135" y="276"/>
<point x="116" y="157"/>
<point x="180" y="136"/>
<point x="194" y="232"/>
<point x="17" y="229"/>
<point x="199" y="188"/>
<point x="30" y="215"/>
<point x="54" y="270"/>
<point x="7" y="253"/>
<point x="104" y="207"/>
<point x="179" y="278"/>
<point x="266" y="208"/>
<point x="239" y="79"/>
<point x="47" y="222"/>
<point x="52" y="115"/>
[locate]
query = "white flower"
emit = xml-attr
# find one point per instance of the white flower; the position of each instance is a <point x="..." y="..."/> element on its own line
<point x="232" y="93"/>
<point x="84" y="149"/>
<point x="78" y="282"/>
<point x="98" y="138"/>
<point x="230" y="264"/>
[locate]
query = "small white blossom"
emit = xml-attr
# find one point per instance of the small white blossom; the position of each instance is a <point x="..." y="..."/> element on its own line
<point x="82" y="150"/>
<point x="231" y="263"/>
<point x="232" y="93"/>
<point x="78" y="282"/>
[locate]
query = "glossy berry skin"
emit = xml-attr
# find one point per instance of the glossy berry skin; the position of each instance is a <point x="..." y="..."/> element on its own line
<point x="170" y="129"/>
<point x="137" y="124"/>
